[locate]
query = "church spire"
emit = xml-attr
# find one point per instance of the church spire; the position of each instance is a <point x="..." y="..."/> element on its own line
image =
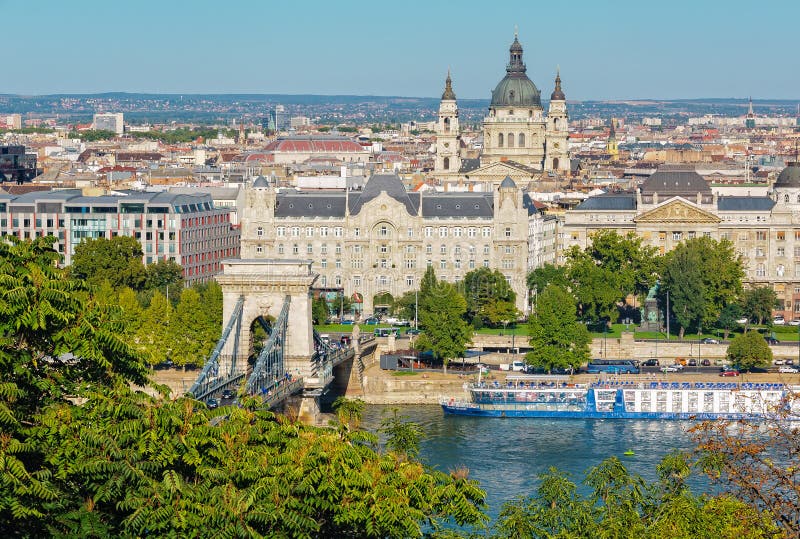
<point x="448" y="88"/>
<point x="558" y="94"/>
<point x="750" y="112"/>
<point x="515" y="64"/>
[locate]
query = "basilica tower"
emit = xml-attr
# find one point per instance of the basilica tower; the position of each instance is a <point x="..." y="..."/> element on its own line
<point x="448" y="137"/>
<point x="557" y="158"/>
<point x="515" y="128"/>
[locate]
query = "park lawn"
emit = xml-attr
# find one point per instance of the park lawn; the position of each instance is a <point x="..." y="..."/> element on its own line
<point x="519" y="330"/>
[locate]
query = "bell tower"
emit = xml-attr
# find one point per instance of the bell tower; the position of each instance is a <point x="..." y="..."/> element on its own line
<point x="556" y="147"/>
<point x="448" y="137"/>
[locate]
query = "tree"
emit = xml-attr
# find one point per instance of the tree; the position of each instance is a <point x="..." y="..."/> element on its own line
<point x="635" y="264"/>
<point x="155" y="338"/>
<point x="118" y="261"/>
<point x="557" y="339"/>
<point x="547" y="274"/>
<point x="596" y="288"/>
<point x="758" y="303"/>
<point x="489" y="297"/>
<point x="441" y="313"/>
<point x="702" y="276"/>
<point x="188" y="334"/>
<point x="749" y="350"/>
<point x="164" y="275"/>
<point x="728" y="318"/>
<point x="622" y="505"/>
<point x="319" y="311"/>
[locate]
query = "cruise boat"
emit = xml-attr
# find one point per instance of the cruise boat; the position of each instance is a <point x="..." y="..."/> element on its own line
<point x="557" y="397"/>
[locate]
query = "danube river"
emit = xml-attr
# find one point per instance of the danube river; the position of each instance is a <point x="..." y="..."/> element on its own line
<point x="506" y="455"/>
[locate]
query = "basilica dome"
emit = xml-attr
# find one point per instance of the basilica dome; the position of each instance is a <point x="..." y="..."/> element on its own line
<point x="516" y="89"/>
<point x="789" y="177"/>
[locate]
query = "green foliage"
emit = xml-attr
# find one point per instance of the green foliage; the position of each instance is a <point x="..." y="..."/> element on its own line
<point x="405" y="305"/>
<point x="92" y="135"/>
<point x="118" y="261"/>
<point x="635" y="264"/>
<point x="728" y="318"/>
<point x="319" y="311"/>
<point x="596" y="288"/>
<point x="621" y="505"/>
<point x="748" y="350"/>
<point x="155" y="337"/>
<point x="402" y="436"/>
<point x="164" y="275"/>
<point x="757" y="303"/>
<point x="441" y="312"/>
<point x="557" y="339"/>
<point x="702" y="276"/>
<point x="489" y="297"/>
<point x="183" y="135"/>
<point x="542" y="276"/>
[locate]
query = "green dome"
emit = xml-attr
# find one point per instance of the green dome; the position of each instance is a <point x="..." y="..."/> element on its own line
<point x="516" y="89"/>
<point x="789" y="177"/>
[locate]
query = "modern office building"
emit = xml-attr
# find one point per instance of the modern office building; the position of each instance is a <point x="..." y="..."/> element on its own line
<point x="187" y="229"/>
<point x="109" y="121"/>
<point x="16" y="165"/>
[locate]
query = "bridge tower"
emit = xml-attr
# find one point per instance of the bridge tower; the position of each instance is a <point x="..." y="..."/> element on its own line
<point x="264" y="284"/>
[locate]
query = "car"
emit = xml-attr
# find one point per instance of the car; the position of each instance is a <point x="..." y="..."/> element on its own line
<point x="789" y="362"/>
<point x="778" y="362"/>
<point x="652" y="362"/>
<point x="670" y="368"/>
<point x="795" y="322"/>
<point x="228" y="394"/>
<point x="371" y="321"/>
<point x="771" y="340"/>
<point x="788" y="369"/>
<point x="778" y="321"/>
<point x="743" y="320"/>
<point x="693" y="362"/>
<point x="347" y="322"/>
<point x="706" y="362"/>
<point x="212" y="403"/>
<point x="729" y="372"/>
<point x="709" y="340"/>
<point x="403" y="323"/>
<point x="413" y="331"/>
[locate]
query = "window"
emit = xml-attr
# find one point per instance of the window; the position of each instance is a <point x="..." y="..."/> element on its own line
<point x="309" y="232"/>
<point x="357" y="249"/>
<point x="457" y="250"/>
<point x="500" y="140"/>
<point x="780" y="235"/>
<point x="759" y="251"/>
<point x="337" y="232"/>
<point x="428" y="249"/>
<point x="410" y="263"/>
<point x="309" y="249"/>
<point x="485" y="263"/>
<point x="356" y="281"/>
<point x="409" y="280"/>
<point x="443" y="249"/>
<point x="383" y="280"/>
<point x="280" y="248"/>
<point x="509" y="250"/>
<point x="691" y="235"/>
<point x="384" y="263"/>
<point x="470" y="232"/>
<point x="521" y="140"/>
<point x="485" y="249"/>
<point x="410" y="249"/>
<point x="780" y="251"/>
<point x="443" y="264"/>
<point x="410" y="233"/>
<point x="338" y="280"/>
<point x="761" y="235"/>
<point x="457" y="264"/>
<point x="760" y="270"/>
<point x="338" y="248"/>
<point x="281" y="232"/>
<point x="338" y="264"/>
<point x="384" y="248"/>
<point x="295" y="231"/>
<point x="487" y="232"/>
<point x="295" y="249"/>
<point x="508" y="263"/>
<point x="471" y="264"/>
<point x="324" y="249"/>
<point x="676" y="236"/>
<point x="357" y="232"/>
<point x="457" y="232"/>
<point x="259" y="249"/>
<point x="323" y="231"/>
<point x="323" y="263"/>
<point x="383" y="231"/>
<point x="428" y="232"/>
<point x="511" y="140"/>
<point x="442" y="231"/>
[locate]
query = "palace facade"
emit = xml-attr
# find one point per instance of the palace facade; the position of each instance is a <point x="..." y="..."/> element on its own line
<point x="676" y="204"/>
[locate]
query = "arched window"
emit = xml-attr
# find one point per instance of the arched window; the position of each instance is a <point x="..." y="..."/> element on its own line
<point x="786" y="198"/>
<point x="500" y="140"/>
<point x="447" y="125"/>
<point x="798" y="199"/>
<point x="555" y="163"/>
<point x="521" y="140"/>
<point x="447" y="163"/>
<point x="511" y="140"/>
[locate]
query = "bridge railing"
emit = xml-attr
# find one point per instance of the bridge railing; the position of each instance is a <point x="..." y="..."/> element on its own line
<point x="210" y="375"/>
<point x="269" y="366"/>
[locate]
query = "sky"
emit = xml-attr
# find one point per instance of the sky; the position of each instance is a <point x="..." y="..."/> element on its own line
<point x="606" y="50"/>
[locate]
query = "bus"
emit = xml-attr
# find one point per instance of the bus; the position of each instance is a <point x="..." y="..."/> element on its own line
<point x="613" y="366"/>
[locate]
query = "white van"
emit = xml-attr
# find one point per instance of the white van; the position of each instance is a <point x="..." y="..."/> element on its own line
<point x="518" y="366"/>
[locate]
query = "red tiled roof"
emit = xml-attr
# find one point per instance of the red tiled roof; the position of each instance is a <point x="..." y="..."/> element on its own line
<point x="314" y="146"/>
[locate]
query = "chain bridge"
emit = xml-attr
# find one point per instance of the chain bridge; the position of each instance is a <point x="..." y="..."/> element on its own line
<point x="275" y="295"/>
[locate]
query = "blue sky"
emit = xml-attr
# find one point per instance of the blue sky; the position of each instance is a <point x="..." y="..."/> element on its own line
<point x="606" y="50"/>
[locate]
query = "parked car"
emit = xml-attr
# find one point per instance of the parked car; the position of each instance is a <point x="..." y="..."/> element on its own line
<point x="347" y="322"/>
<point x="778" y="320"/>
<point x="771" y="340"/>
<point x="371" y="321"/>
<point x="788" y="369"/>
<point x="212" y="403"/>
<point x="789" y="362"/>
<point x="795" y="322"/>
<point x="671" y="368"/>
<point x="778" y="362"/>
<point x="693" y="362"/>
<point x="652" y="362"/>
<point x="743" y="320"/>
<point x="729" y="372"/>
<point x="228" y="394"/>
<point x="709" y="340"/>
<point x="413" y="331"/>
<point x="706" y="362"/>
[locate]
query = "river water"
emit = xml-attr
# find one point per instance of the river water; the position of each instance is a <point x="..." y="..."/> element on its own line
<point x="506" y="455"/>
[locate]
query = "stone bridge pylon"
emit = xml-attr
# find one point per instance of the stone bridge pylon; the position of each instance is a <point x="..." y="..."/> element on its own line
<point x="264" y="285"/>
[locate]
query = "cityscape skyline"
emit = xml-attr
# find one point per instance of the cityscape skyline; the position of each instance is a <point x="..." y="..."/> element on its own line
<point x="605" y="52"/>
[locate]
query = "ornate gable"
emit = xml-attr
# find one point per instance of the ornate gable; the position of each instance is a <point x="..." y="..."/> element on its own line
<point x="677" y="210"/>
